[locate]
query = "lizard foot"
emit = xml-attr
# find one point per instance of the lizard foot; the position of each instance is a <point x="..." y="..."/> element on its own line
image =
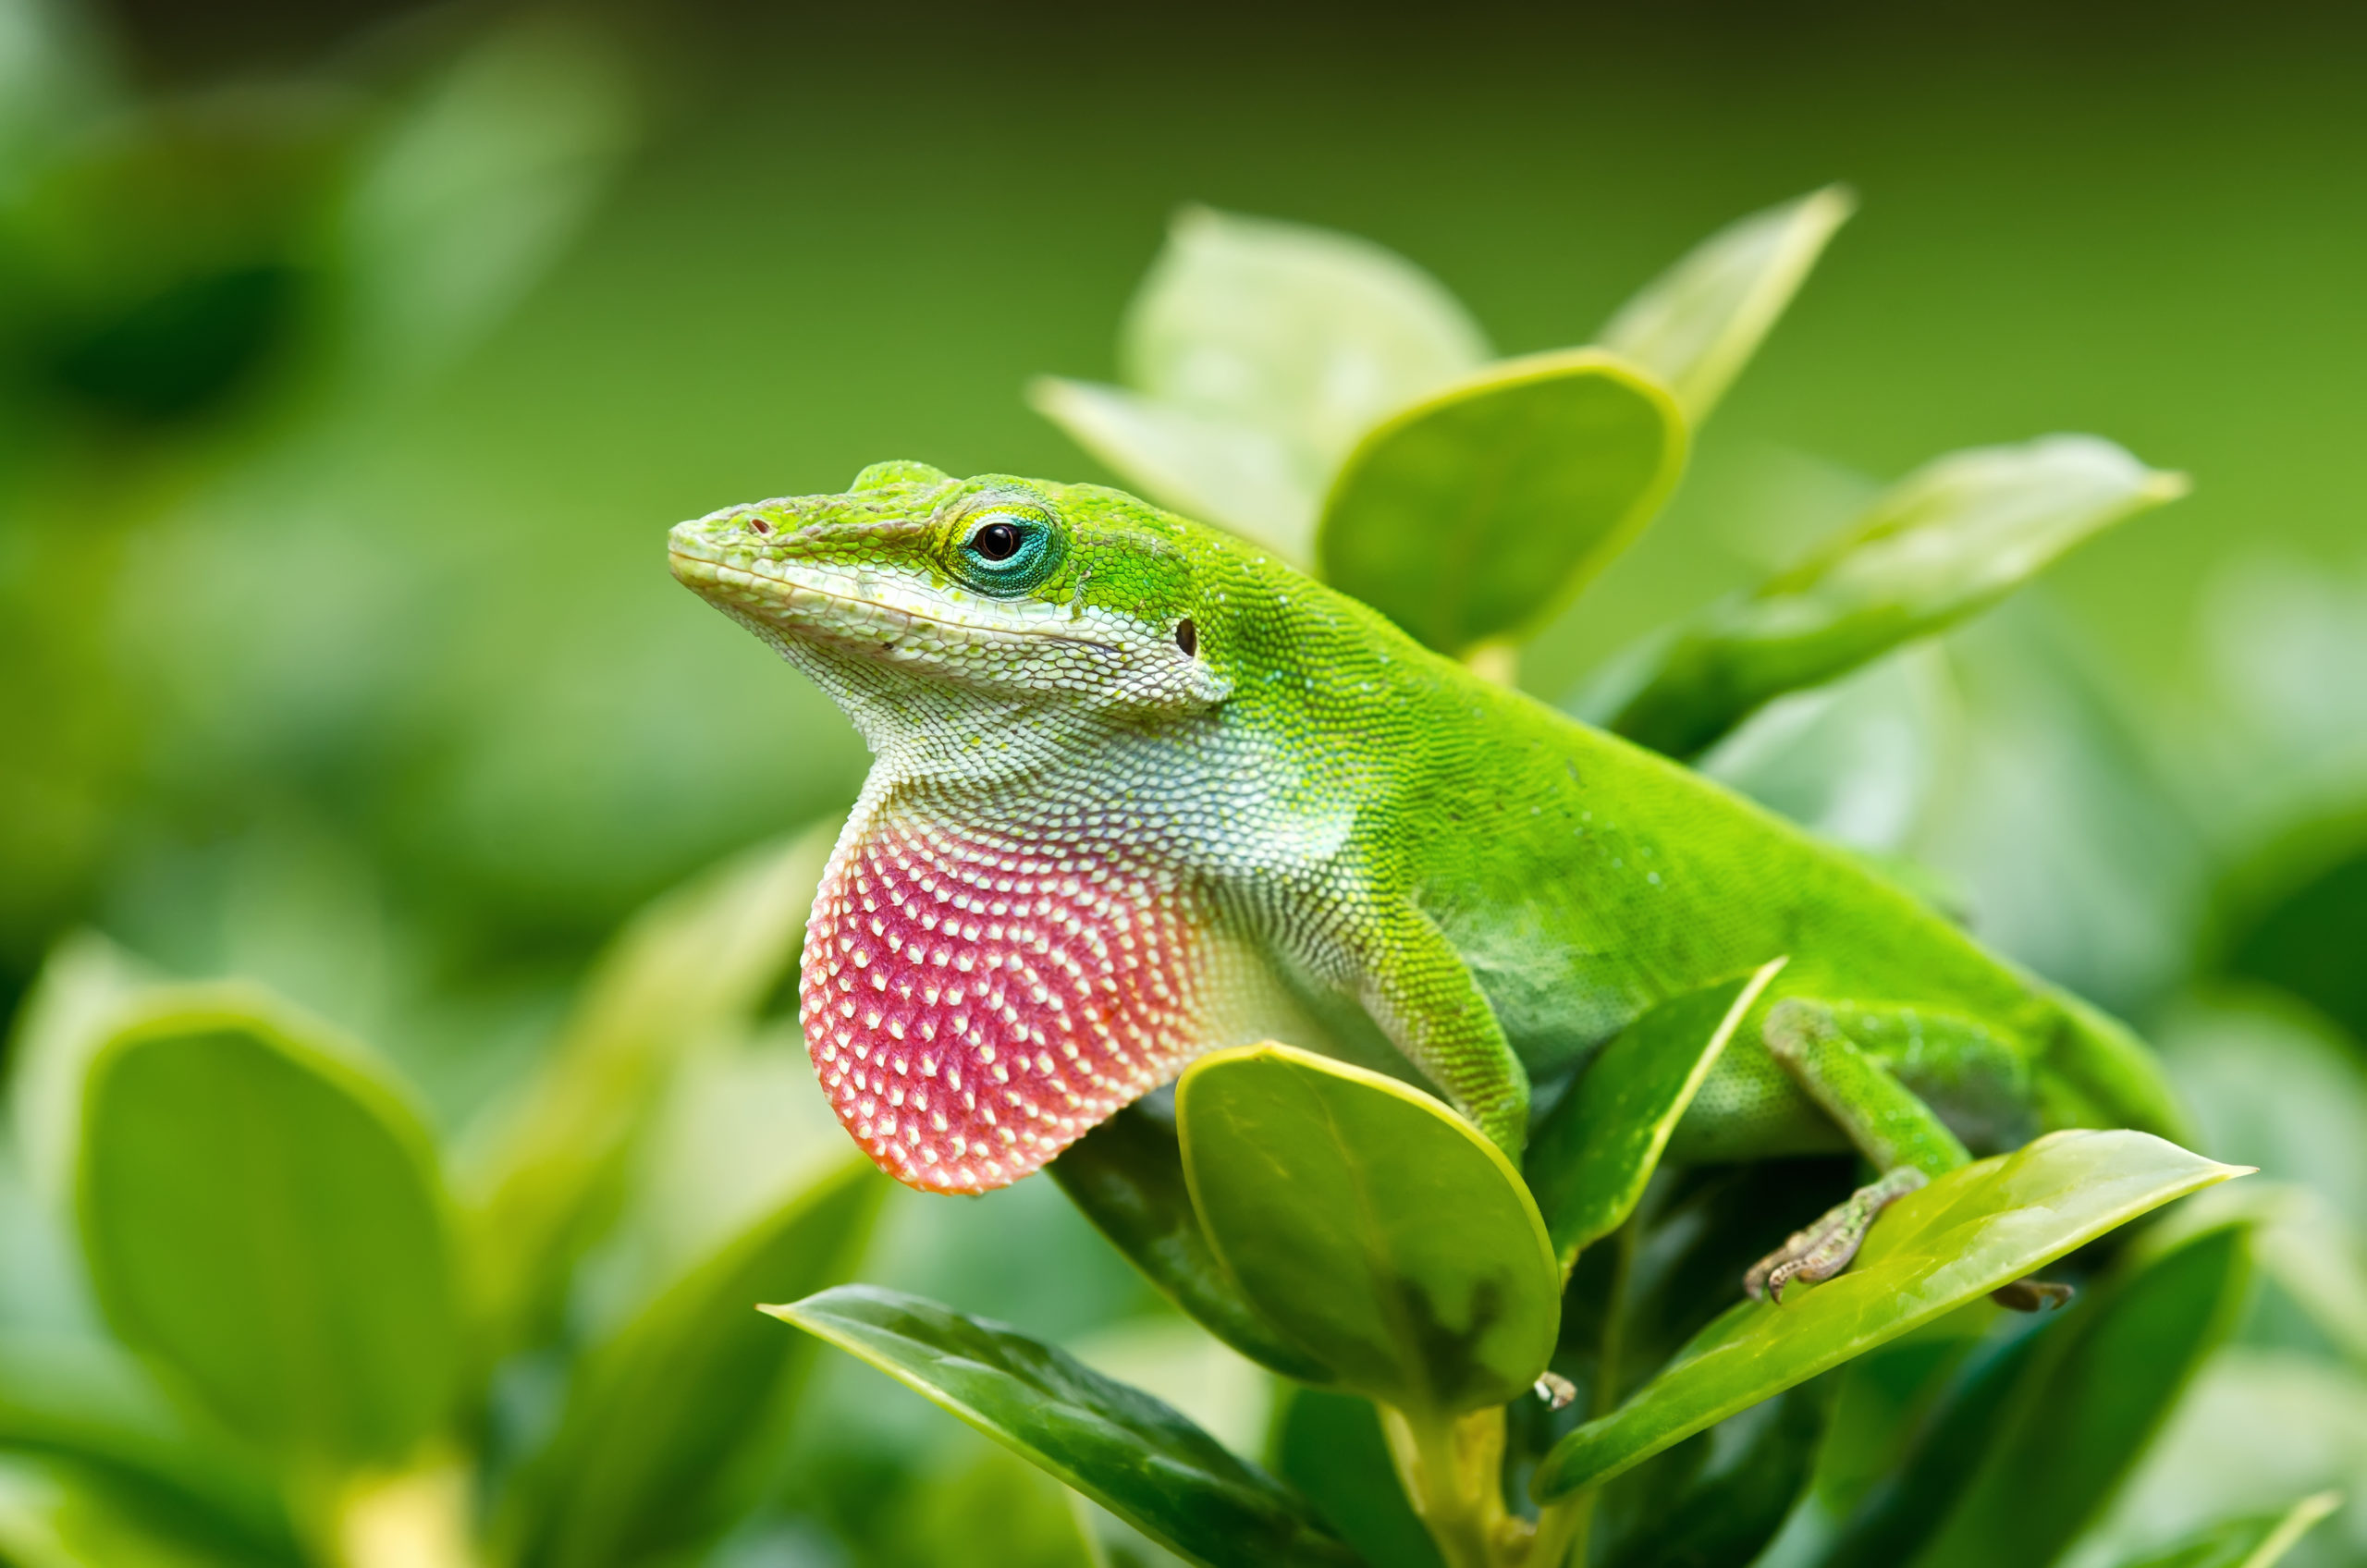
<point x="1825" y="1248"/>
<point x="2032" y="1295"/>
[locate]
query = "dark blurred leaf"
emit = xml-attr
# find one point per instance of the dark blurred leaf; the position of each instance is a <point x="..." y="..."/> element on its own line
<point x="1371" y="1225"/>
<point x="472" y="192"/>
<point x="2257" y="1541"/>
<point x="669" y="1425"/>
<point x="693" y="966"/>
<point x="1474" y="515"/>
<point x="1716" y="1499"/>
<point x="1589" y="1162"/>
<point x="1943" y="544"/>
<point x="1117" y="1445"/>
<point x="1955" y="1240"/>
<point x="51" y="1517"/>
<point x="1331" y="1447"/>
<point x="1127" y="1177"/>
<point x="2296" y="919"/>
<point x="85" y="1402"/>
<point x="265" y="1219"/>
<point x="2086" y="1414"/>
<point x="1697" y="324"/>
<point x="1939" y="1458"/>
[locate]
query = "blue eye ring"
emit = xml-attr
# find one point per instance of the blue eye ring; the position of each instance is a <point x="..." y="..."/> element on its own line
<point x="1007" y="549"/>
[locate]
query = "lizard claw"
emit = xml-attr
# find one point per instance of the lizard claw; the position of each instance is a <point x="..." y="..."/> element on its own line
<point x="1826" y="1247"/>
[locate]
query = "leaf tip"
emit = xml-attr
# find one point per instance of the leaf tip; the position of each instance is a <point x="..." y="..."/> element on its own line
<point x="2161" y="486"/>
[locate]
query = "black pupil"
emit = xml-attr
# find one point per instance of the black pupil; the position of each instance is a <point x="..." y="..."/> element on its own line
<point x="996" y="542"/>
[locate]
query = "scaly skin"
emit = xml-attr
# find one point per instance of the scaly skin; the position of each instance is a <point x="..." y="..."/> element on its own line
<point x="1141" y="791"/>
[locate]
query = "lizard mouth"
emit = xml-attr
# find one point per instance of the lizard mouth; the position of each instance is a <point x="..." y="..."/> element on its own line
<point x="867" y="609"/>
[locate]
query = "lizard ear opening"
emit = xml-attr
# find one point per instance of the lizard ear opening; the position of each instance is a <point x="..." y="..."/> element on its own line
<point x="1187" y="637"/>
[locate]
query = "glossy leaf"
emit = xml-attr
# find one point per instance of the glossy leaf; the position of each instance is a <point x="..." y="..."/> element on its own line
<point x="1119" y="1446"/>
<point x="1331" y="1447"/>
<point x="2259" y="1540"/>
<point x="1371" y="1225"/>
<point x="1716" y="1499"/>
<point x="1697" y="324"/>
<point x="1127" y="1177"/>
<point x="1479" y="512"/>
<point x="1589" y="1160"/>
<point x="1959" y="1238"/>
<point x="1311" y="334"/>
<point x="1943" y="544"/>
<point x="1210" y="468"/>
<point x="264" y="1218"/>
<point x="691" y="968"/>
<point x="2107" y="1383"/>
<point x="664" y="1439"/>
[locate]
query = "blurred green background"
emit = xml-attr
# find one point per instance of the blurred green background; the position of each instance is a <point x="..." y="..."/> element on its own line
<point x="337" y="649"/>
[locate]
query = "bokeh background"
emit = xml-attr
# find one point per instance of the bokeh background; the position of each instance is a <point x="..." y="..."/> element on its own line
<point x="354" y="357"/>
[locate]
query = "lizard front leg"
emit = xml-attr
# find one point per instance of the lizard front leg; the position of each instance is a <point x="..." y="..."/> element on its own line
<point x="1416" y="987"/>
<point x="1892" y="1127"/>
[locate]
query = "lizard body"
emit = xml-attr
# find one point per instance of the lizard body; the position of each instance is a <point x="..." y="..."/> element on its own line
<point x="1141" y="790"/>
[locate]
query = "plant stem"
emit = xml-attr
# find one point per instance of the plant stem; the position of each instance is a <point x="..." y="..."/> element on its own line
<point x="1453" y="1469"/>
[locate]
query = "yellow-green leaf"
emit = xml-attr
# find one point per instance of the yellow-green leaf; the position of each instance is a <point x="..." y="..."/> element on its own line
<point x="1963" y="1236"/>
<point x="264" y="1218"/>
<point x="1374" y="1227"/>
<point x="1477" y="513"/>
<point x="1697" y="324"/>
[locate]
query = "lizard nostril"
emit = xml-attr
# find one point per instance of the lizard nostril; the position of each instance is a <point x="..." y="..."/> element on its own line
<point x="760" y="525"/>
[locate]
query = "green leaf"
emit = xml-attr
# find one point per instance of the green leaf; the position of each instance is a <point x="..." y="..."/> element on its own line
<point x="1961" y="1237"/>
<point x="1946" y="541"/>
<point x="1211" y="468"/>
<point x="690" y="970"/>
<point x="1117" y="1445"/>
<point x="2256" y="1541"/>
<point x="1373" y="1226"/>
<point x="1331" y="1447"/>
<point x="86" y="984"/>
<point x="1126" y="1176"/>
<point x="470" y="194"/>
<point x="1716" y="1499"/>
<point x="1307" y="333"/>
<point x="2106" y="1383"/>
<point x="1477" y="513"/>
<point x="264" y="1218"/>
<point x="1697" y="324"/>
<point x="665" y="1438"/>
<point x="1589" y="1160"/>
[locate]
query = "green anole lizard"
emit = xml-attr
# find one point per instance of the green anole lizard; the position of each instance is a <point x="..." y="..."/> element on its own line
<point x="1141" y="790"/>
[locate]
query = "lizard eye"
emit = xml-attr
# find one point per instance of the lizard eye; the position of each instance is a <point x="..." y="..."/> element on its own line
<point x="1009" y="551"/>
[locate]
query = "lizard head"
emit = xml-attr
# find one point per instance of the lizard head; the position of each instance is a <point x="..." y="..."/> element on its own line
<point x="991" y="594"/>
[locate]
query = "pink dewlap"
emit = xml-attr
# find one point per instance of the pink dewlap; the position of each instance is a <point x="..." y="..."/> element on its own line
<point x="974" y="1010"/>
